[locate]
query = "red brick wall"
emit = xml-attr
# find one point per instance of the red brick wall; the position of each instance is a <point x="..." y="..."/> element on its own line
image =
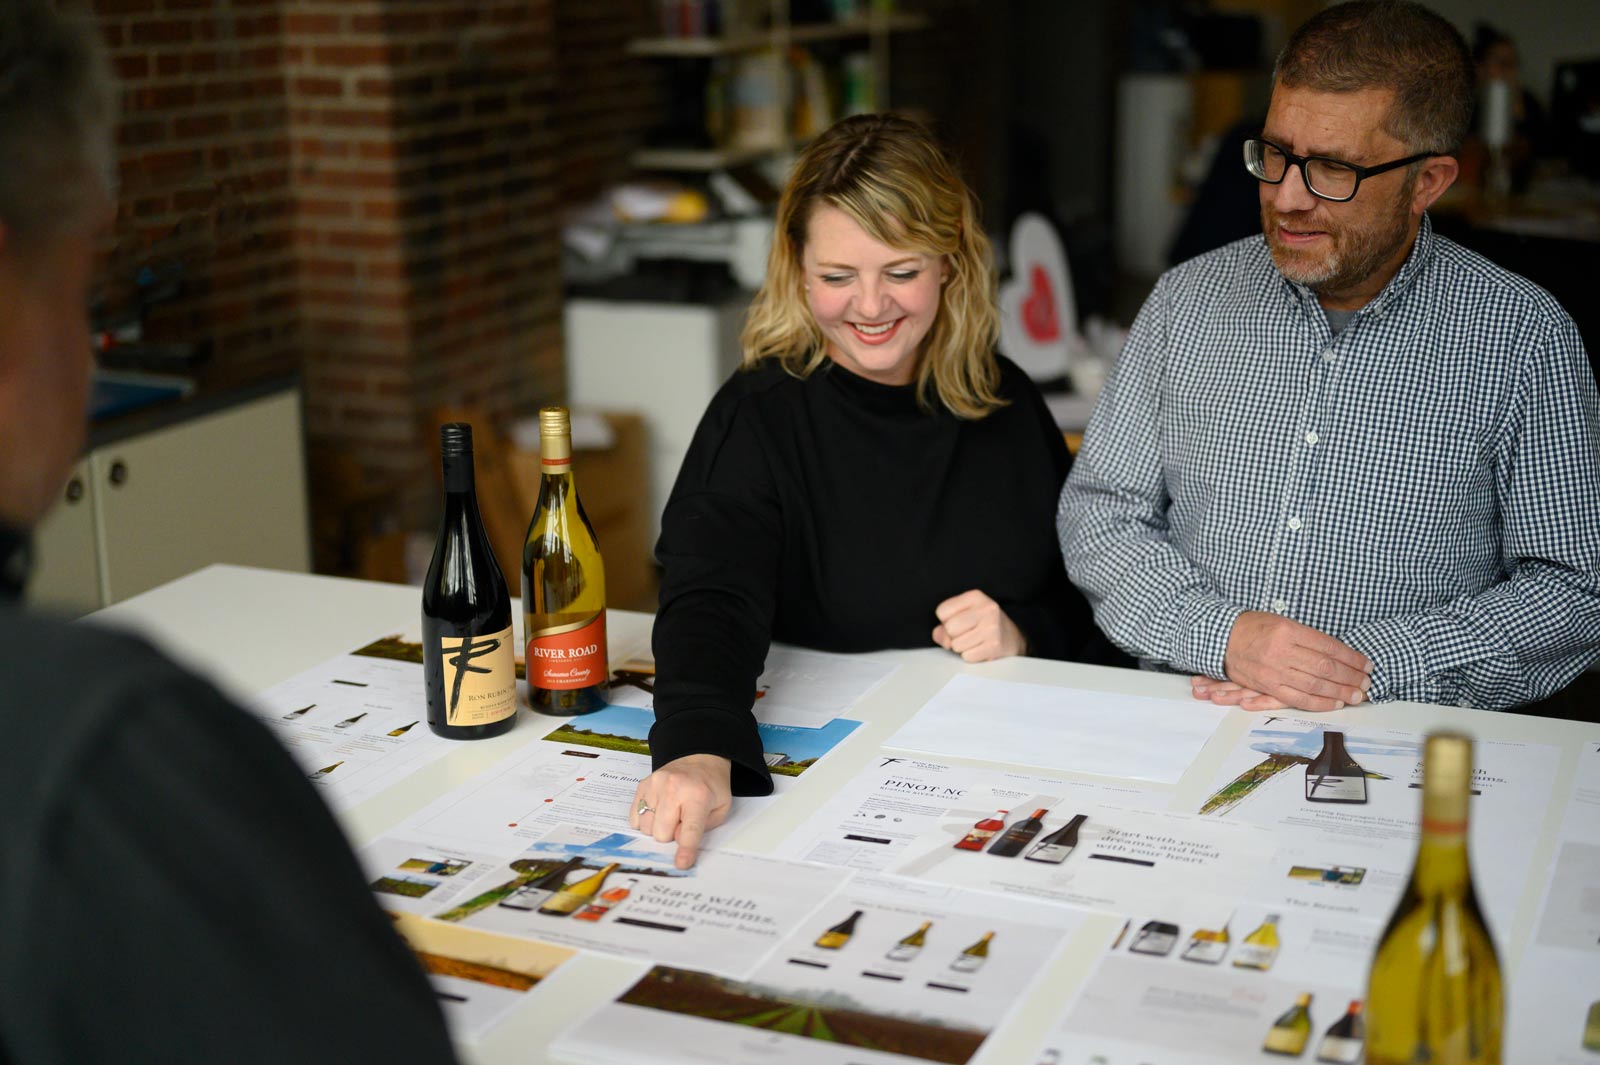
<point x="204" y="143"/>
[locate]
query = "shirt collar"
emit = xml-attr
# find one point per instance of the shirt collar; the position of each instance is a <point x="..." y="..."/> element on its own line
<point x="16" y="559"/>
<point x="1415" y="263"/>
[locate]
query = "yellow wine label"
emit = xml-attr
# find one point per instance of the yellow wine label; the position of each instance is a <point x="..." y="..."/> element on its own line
<point x="480" y="678"/>
<point x="1285" y="1040"/>
<point x="568" y="656"/>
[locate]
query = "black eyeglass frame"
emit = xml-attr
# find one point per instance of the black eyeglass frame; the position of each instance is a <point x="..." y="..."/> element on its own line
<point x="1292" y="160"/>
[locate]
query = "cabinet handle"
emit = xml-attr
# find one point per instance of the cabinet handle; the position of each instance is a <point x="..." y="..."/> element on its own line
<point x="119" y="473"/>
<point x="74" y="489"/>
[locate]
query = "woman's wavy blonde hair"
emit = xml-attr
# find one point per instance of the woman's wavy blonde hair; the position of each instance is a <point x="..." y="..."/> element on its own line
<point x="890" y="176"/>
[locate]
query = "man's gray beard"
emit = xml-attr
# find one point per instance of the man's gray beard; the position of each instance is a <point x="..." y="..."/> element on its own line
<point x="1344" y="268"/>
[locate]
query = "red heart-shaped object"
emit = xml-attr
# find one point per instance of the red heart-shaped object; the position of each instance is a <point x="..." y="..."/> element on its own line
<point x="1039" y="309"/>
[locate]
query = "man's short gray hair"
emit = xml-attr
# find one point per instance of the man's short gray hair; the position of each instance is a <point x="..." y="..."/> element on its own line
<point x="58" y="104"/>
<point x="1389" y="44"/>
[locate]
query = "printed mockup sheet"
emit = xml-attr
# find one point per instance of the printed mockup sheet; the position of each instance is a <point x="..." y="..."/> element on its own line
<point x="1353" y="855"/>
<point x="619" y="894"/>
<point x="939" y="822"/>
<point x="356" y="723"/>
<point x="1065" y="729"/>
<point x="1177" y="994"/>
<point x="886" y="971"/>
<point x="804" y="689"/>
<point x="1555" y="1004"/>
<point x="479" y="978"/>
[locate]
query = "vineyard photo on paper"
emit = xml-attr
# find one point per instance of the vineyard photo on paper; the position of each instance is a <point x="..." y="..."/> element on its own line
<point x="887" y="970"/>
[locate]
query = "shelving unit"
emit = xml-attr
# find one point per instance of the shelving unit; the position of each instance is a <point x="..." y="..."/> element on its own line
<point x="875" y="27"/>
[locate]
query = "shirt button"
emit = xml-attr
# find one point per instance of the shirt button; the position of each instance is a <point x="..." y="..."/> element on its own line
<point x="1328" y="354"/>
<point x="1294" y="524"/>
<point x="1280" y="605"/>
<point x="1312" y="438"/>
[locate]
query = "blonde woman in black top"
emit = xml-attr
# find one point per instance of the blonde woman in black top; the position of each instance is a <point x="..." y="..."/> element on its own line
<point x="874" y="476"/>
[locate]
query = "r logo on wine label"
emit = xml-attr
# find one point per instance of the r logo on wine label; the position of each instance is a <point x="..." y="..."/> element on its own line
<point x="480" y="678"/>
<point x="569" y="656"/>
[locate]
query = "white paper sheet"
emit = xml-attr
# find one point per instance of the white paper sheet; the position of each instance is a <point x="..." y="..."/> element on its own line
<point x="1067" y="729"/>
<point x="1144" y="1007"/>
<point x="805" y="689"/>
<point x="1558" y="984"/>
<point x="867" y="1000"/>
<point x="355" y="723"/>
<point x="1354" y="858"/>
<point x="906" y="816"/>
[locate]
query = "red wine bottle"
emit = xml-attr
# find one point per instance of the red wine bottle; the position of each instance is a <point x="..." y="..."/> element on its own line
<point x="1019" y="835"/>
<point x="1333" y="776"/>
<point x="469" y="666"/>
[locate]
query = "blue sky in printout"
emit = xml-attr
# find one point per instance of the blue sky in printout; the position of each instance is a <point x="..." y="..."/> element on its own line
<point x="635" y="851"/>
<point x="1308" y="744"/>
<point x="798" y="743"/>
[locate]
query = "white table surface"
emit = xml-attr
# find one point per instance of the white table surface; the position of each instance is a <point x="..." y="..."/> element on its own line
<point x="248" y="629"/>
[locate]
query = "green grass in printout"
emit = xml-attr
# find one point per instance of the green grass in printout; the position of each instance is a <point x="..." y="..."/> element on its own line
<point x="606" y="742"/>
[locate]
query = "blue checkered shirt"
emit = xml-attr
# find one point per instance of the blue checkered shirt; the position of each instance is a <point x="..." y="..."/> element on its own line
<point x="1425" y="486"/>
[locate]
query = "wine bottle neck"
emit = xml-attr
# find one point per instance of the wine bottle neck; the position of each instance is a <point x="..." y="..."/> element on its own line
<point x="1442" y="866"/>
<point x="458" y="476"/>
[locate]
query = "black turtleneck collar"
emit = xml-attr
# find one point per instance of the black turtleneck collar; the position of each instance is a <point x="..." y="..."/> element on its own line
<point x="16" y="559"/>
<point x="874" y="395"/>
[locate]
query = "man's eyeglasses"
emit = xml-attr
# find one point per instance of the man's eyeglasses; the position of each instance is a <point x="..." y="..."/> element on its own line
<point x="1328" y="179"/>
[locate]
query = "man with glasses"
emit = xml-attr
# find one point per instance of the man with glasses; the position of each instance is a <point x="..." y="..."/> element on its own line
<point x="1348" y="460"/>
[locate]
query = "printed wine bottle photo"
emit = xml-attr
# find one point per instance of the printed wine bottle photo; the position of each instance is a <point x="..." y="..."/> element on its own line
<point x="1055" y="847"/>
<point x="1334" y="776"/>
<point x="572" y="896"/>
<point x="1343" y="1041"/>
<point x="972" y="959"/>
<point x="981" y="833"/>
<point x="1208" y="946"/>
<point x="1156" y="937"/>
<point x="839" y="934"/>
<point x="911" y="945"/>
<point x="1260" y="948"/>
<point x="536" y="892"/>
<point x="1291" y="1032"/>
<point x="1014" y="839"/>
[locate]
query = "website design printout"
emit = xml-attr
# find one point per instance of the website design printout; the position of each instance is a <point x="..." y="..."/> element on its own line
<point x="1555" y="1010"/>
<point x="479" y="978"/>
<point x="1175" y="993"/>
<point x="886" y="971"/>
<point x="805" y="689"/>
<point x="355" y="723"/>
<point x="1354" y="857"/>
<point x="918" y="818"/>
<point x="725" y="914"/>
<point x="1065" y="729"/>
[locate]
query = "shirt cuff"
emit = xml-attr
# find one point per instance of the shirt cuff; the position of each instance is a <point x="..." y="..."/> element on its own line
<point x="704" y="731"/>
<point x="1399" y="666"/>
<point x="1200" y="634"/>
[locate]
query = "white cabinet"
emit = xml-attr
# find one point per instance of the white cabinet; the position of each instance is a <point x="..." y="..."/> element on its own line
<point x="665" y="361"/>
<point x="228" y="486"/>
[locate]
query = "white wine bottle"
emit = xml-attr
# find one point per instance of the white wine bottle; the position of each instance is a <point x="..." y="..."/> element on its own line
<point x="1341" y="1043"/>
<point x="347" y="722"/>
<point x="1260" y="948"/>
<point x="402" y="730"/>
<point x="972" y="959"/>
<point x="1591" y="1028"/>
<point x="574" y="896"/>
<point x="325" y="770"/>
<point x="911" y="945"/>
<point x="532" y="894"/>
<point x="1208" y="946"/>
<point x="469" y="667"/>
<point x="563" y="585"/>
<point x="1291" y="1032"/>
<point x="839" y="934"/>
<point x="1435" y="993"/>
<point x="293" y="714"/>
<point x="1333" y="776"/>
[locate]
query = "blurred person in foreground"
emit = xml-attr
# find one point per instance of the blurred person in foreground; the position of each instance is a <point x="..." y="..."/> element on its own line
<point x="171" y="888"/>
<point x="874" y="476"/>
<point x="1348" y="459"/>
